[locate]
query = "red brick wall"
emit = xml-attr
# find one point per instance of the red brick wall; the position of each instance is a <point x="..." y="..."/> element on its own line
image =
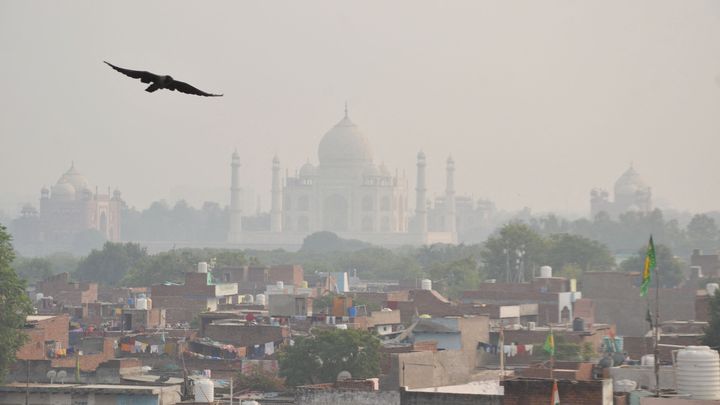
<point x="539" y="391"/>
<point x="288" y="274"/>
<point x="702" y="307"/>
<point x="55" y="328"/>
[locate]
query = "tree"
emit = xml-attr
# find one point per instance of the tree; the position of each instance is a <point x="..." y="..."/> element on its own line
<point x="565" y="250"/>
<point x="15" y="306"/>
<point x="258" y="380"/>
<point x="452" y="278"/>
<point x="32" y="269"/>
<point x="669" y="267"/>
<point x="514" y="249"/>
<point x="702" y="233"/>
<point x="712" y="331"/>
<point x="319" y="358"/>
<point x="110" y="264"/>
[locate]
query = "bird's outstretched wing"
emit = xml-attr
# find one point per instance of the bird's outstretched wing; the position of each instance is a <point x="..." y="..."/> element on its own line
<point x="188" y="89"/>
<point x="145" y="77"/>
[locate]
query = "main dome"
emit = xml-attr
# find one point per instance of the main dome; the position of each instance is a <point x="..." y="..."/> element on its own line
<point x="630" y="183"/>
<point x="344" y="145"/>
<point x="74" y="178"/>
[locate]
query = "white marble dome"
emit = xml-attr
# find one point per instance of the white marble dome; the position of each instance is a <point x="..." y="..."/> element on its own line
<point x="344" y="145"/>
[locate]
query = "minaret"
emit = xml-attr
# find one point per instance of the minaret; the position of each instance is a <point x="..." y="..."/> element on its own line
<point x="235" y="205"/>
<point x="421" y="201"/>
<point x="276" y="208"/>
<point x="450" y="225"/>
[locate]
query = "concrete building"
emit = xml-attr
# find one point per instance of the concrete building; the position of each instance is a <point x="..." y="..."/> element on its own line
<point x="97" y="394"/>
<point x="631" y="194"/>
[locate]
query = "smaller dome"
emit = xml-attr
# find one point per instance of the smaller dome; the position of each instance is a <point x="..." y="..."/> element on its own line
<point x="371" y="171"/>
<point x="308" y="170"/>
<point x="63" y="192"/>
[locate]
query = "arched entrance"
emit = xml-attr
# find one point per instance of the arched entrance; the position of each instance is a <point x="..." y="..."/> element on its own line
<point x="335" y="214"/>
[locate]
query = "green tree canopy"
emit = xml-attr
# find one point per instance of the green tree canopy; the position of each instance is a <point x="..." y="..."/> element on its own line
<point x="702" y="233"/>
<point x="452" y="278"/>
<point x="15" y="306"/>
<point x="563" y="250"/>
<point x="513" y="250"/>
<point x="319" y="358"/>
<point x="110" y="264"/>
<point x="669" y="267"/>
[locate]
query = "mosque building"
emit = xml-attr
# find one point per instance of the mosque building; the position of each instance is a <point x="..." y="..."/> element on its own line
<point x="631" y="194"/>
<point x="66" y="209"/>
<point x="346" y="193"/>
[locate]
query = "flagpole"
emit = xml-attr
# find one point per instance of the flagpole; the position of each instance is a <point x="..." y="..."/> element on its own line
<point x="552" y="355"/>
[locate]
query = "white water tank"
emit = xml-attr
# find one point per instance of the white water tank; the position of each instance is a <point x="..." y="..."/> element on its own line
<point x="426" y="284"/>
<point x="250" y="402"/>
<point x="280" y="285"/>
<point x="141" y="303"/>
<point x="545" y="272"/>
<point x="204" y="391"/>
<point x="39" y="296"/>
<point x="202" y="267"/>
<point x="248" y="299"/>
<point x="624" y="385"/>
<point x="260" y="299"/>
<point x="698" y="372"/>
<point x="531" y="325"/>
<point x="647" y="360"/>
<point x="711" y="288"/>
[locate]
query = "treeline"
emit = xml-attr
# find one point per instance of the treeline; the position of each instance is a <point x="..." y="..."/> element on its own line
<point x="631" y="229"/>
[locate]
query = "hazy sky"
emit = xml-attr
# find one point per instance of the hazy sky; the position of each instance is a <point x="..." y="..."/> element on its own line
<point x="538" y="101"/>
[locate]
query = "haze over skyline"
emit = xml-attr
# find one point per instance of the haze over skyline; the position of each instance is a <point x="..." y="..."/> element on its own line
<point x="537" y="102"/>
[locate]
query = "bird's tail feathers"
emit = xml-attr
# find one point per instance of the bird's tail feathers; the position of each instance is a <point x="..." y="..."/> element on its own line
<point x="152" y="88"/>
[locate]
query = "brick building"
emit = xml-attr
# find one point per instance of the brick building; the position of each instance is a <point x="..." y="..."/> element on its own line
<point x="617" y="293"/>
<point x="67" y="292"/>
<point x="199" y="293"/>
<point x="531" y="391"/>
<point x="709" y="264"/>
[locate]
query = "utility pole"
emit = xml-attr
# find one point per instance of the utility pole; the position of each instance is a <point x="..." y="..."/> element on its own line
<point x="657" y="332"/>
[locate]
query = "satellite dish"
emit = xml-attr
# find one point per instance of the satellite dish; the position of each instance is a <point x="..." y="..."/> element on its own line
<point x="51" y="375"/>
<point x="61" y="376"/>
<point x="344" y="375"/>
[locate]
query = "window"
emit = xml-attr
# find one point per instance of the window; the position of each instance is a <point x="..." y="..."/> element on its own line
<point x="367" y="203"/>
<point x="385" y="203"/>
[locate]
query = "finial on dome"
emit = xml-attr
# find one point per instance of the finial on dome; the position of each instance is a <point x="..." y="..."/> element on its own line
<point x="346" y="109"/>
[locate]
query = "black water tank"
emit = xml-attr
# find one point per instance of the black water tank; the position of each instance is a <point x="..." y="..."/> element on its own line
<point x="578" y="325"/>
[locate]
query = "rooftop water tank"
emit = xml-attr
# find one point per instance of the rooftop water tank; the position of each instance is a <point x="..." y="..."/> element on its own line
<point x="204" y="391"/>
<point x="624" y="385"/>
<point x="304" y="284"/>
<point x="578" y="325"/>
<point x="698" y="372"/>
<point x="280" y="285"/>
<point x="202" y="267"/>
<point x="141" y="303"/>
<point x="647" y="360"/>
<point x="426" y="284"/>
<point x="545" y="272"/>
<point x="39" y="296"/>
<point x="260" y="299"/>
<point x="248" y="299"/>
<point x="711" y="288"/>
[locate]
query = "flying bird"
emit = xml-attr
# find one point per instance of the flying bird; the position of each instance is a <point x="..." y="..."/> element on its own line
<point x="161" y="82"/>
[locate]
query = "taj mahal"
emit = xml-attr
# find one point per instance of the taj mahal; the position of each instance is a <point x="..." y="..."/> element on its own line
<point x="349" y="194"/>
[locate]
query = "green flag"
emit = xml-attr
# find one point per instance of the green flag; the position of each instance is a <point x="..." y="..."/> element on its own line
<point x="649" y="267"/>
<point x="550" y="344"/>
